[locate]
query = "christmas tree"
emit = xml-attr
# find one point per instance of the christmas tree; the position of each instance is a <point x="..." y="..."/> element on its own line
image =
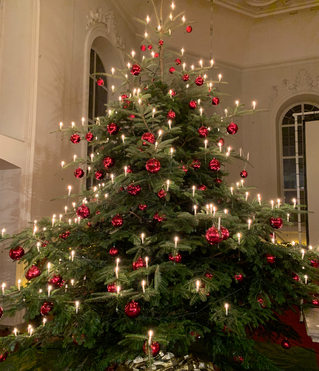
<point x="163" y="256"/>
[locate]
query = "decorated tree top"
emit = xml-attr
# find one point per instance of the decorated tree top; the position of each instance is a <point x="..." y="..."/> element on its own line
<point x="164" y="255"/>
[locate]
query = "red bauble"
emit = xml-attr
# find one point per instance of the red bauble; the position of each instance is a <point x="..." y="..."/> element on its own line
<point x="108" y="162"/>
<point x="286" y="344"/>
<point x="155" y="348"/>
<point x="159" y="218"/>
<point x="134" y="189"/>
<point x="238" y="359"/>
<point x="1" y="312"/>
<point x="185" y="77"/>
<point x="212" y="236"/>
<point x="221" y="141"/>
<point x="142" y="207"/>
<point x="3" y="356"/>
<point x="276" y="223"/>
<point x="218" y="181"/>
<point x="56" y="280"/>
<point x="79" y="173"/>
<point x="139" y="263"/>
<point x="232" y="128"/>
<point x="124" y="96"/>
<point x="33" y="272"/>
<point x="111" y="287"/>
<point x="192" y="104"/>
<point x="135" y="70"/>
<point x="100" y="82"/>
<point x="214" y="165"/>
<point x="244" y="174"/>
<point x="189" y="29"/>
<point x="156" y="55"/>
<point x="239" y="277"/>
<point x="132" y="309"/>
<point x="113" y="251"/>
<point x="129" y="170"/>
<point x="172" y="93"/>
<point x="99" y="175"/>
<point x="161" y="43"/>
<point x="161" y="193"/>
<point x="271" y="259"/>
<point x="45" y="243"/>
<point x="64" y="235"/>
<point x="199" y="81"/>
<point x="172" y="69"/>
<point x="175" y="258"/>
<point x="215" y="101"/>
<point x="203" y="132"/>
<point x="46" y="308"/>
<point x="16" y="253"/>
<point x="202" y="187"/>
<point x="208" y="275"/>
<point x="185" y="168"/>
<point x="149" y="137"/>
<point x="314" y="263"/>
<point x="315" y="302"/>
<point x="112" y="128"/>
<point x="225" y="233"/>
<point x="295" y="277"/>
<point x="150" y="47"/>
<point x="171" y="114"/>
<point x="117" y="221"/>
<point x="195" y="164"/>
<point x="143" y="48"/>
<point x="75" y="138"/>
<point x="261" y="302"/>
<point x="83" y="211"/>
<point x="178" y="61"/>
<point x="89" y="137"/>
<point x="153" y="165"/>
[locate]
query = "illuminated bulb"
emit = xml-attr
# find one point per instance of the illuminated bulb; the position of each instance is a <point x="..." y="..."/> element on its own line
<point x="145" y="35"/>
<point x="219" y="77"/>
<point x="254" y="104"/>
<point x="211" y="62"/>
<point x="113" y="88"/>
<point x="176" y="240"/>
<point x="72" y="124"/>
<point x="143" y="286"/>
<point x="226" y="308"/>
<point x="173" y="6"/>
<point x="183" y="19"/>
<point x="147" y="19"/>
<point x="182" y="50"/>
<point x="62" y="164"/>
<point x="197" y="285"/>
<point x="171" y="16"/>
<point x="237" y="103"/>
<point x="238" y="236"/>
<point x="133" y="53"/>
<point x="77" y="306"/>
<point x="146" y="261"/>
<point x="195" y="209"/>
<point x="112" y="70"/>
<point x="201" y="63"/>
<point x="142" y="237"/>
<point x="61" y="125"/>
<point x="167" y="184"/>
<point x="192" y="67"/>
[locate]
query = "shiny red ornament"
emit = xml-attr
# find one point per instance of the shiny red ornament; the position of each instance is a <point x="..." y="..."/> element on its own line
<point x="155" y="348"/>
<point x="99" y="174"/>
<point x="134" y="189"/>
<point x="261" y="302"/>
<point x="131" y="117"/>
<point x="79" y="173"/>
<point x="172" y="92"/>
<point x="232" y="128"/>
<point x="156" y="55"/>
<point x="203" y="132"/>
<point x="100" y="82"/>
<point x="271" y="259"/>
<point x="192" y="104"/>
<point x="135" y="70"/>
<point x="221" y="142"/>
<point x="124" y="96"/>
<point x="143" y="48"/>
<point x="112" y="128"/>
<point x="212" y="236"/>
<point x="315" y="302"/>
<point x="239" y="277"/>
<point x="238" y="359"/>
<point x="189" y="29"/>
<point x="185" y="77"/>
<point x="153" y="165"/>
<point x="1" y="312"/>
<point x="75" y="138"/>
<point x="199" y="81"/>
<point x="159" y="218"/>
<point x="185" y="168"/>
<point x="149" y="137"/>
<point x="113" y="251"/>
<point x="89" y="136"/>
<point x="195" y="164"/>
<point x="150" y="47"/>
<point x="208" y="275"/>
<point x="161" y="193"/>
<point x="16" y="253"/>
<point x="3" y="356"/>
<point x="295" y="277"/>
<point x="202" y="187"/>
<point x="178" y="61"/>
<point x="56" y="281"/>
<point x="108" y="162"/>
<point x="172" y="69"/>
<point x="132" y="309"/>
<point x="276" y="223"/>
<point x="139" y="263"/>
<point x="214" y="165"/>
<point x="46" y="308"/>
<point x="117" y="221"/>
<point x="314" y="263"/>
<point x="111" y="287"/>
<point x="224" y="232"/>
<point x="218" y="181"/>
<point x="45" y="243"/>
<point x="215" y="101"/>
<point x="161" y="43"/>
<point x="171" y="114"/>
<point x="64" y="235"/>
<point x="32" y="272"/>
<point x="175" y="258"/>
<point x="142" y="207"/>
<point x="83" y="211"/>
<point x="244" y="174"/>
<point x="286" y="344"/>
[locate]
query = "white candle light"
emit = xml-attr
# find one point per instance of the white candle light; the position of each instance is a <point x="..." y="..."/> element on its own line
<point x="194" y="188"/>
<point x="278" y="203"/>
<point x="167" y="184"/>
<point x="195" y="209"/>
<point x="72" y="282"/>
<point x="226" y="308"/>
<point x="206" y="142"/>
<point x="231" y="190"/>
<point x="69" y="191"/>
<point x="44" y="321"/>
<point x="61" y="125"/>
<point x="150" y="334"/>
<point x="306" y="279"/>
<point x="182" y="50"/>
<point x="146" y="261"/>
<point x="3" y="231"/>
<point x="72" y="255"/>
<point x="219" y="224"/>
<point x="176" y="240"/>
<point x="15" y="331"/>
<point x="3" y="286"/>
<point x="142" y="237"/>
<point x="247" y="194"/>
<point x="302" y="253"/>
<point x="201" y="111"/>
<point x="219" y="77"/>
<point x="112" y="178"/>
<point x="288" y="216"/>
<point x="238" y="237"/>
<point x="254" y="105"/>
<point x="272" y="204"/>
<point x="259" y="199"/>
<point x="249" y="224"/>
<point x="143" y="286"/>
<point x="53" y="219"/>
<point x="19" y="285"/>
<point x="197" y="285"/>
<point x="117" y="272"/>
<point x="295" y="202"/>
<point x="49" y="290"/>
<point x="211" y="62"/>
<point x="77" y="306"/>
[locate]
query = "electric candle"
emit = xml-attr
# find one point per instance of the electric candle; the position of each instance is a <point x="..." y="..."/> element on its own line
<point x="184" y="66"/>
<point x="70" y="221"/>
<point x="159" y="27"/>
<point x="232" y="190"/>
<point x="310" y="247"/>
<point x="112" y="70"/>
<point x="44" y="321"/>
<point x="306" y="279"/>
<point x="218" y="223"/>
<point x="278" y="203"/>
<point x="15" y="331"/>
<point x="62" y="164"/>
<point x="49" y="267"/>
<point x="201" y="111"/>
<point x="146" y="261"/>
<point x="150" y="334"/>
<point x="237" y="184"/>
<point x="176" y="239"/>
<point x="159" y="133"/>
<point x="226" y="308"/>
<point x="34" y="230"/>
<point x="169" y="124"/>
<point x="195" y="209"/>
<point x="197" y="285"/>
<point x="172" y="152"/>
<point x="206" y="142"/>
<point x="3" y="231"/>
<point x="125" y="170"/>
<point x="60" y="217"/>
<point x="249" y="224"/>
<point x="259" y="199"/>
<point x="254" y="105"/>
<point x="117" y="261"/>
<point x="226" y="112"/>
<point x="72" y="255"/>
<point x="3" y="286"/>
<point x="183" y="19"/>
<point x="53" y="220"/>
<point x="192" y="67"/>
<point x="72" y="124"/>
<point x="123" y="137"/>
<point x="118" y="289"/>
<point x="112" y="88"/>
<point x="219" y="77"/>
<point x="19" y="285"/>
<point x="220" y="147"/>
<point x="153" y="112"/>
<point x="194" y="188"/>
<point x="72" y="282"/>
<point x="49" y="290"/>
<point x="147" y="19"/>
<point x="171" y="16"/>
<point x="247" y="194"/>
<point x="61" y="125"/>
<point x="201" y="63"/>
<point x="225" y="211"/>
<point x="167" y="183"/>
<point x="143" y="286"/>
<point x="237" y="103"/>
<point x="211" y="62"/>
<point x="302" y="253"/>
<point x="69" y="191"/>
<point x="77" y="306"/>
<point x="173" y="6"/>
<point x="112" y="178"/>
<point x="238" y="236"/>
<point x="288" y="216"/>
<point x="142" y="237"/>
<point x="295" y="202"/>
<point x="214" y="211"/>
<point x="272" y="204"/>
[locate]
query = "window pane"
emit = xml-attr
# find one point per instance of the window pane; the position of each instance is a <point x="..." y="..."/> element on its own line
<point x="289" y="167"/>
<point x="310" y="108"/>
<point x="92" y="61"/>
<point x="288" y="139"/>
<point x="100" y="101"/>
<point x="99" y="64"/>
<point x="289" y="119"/>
